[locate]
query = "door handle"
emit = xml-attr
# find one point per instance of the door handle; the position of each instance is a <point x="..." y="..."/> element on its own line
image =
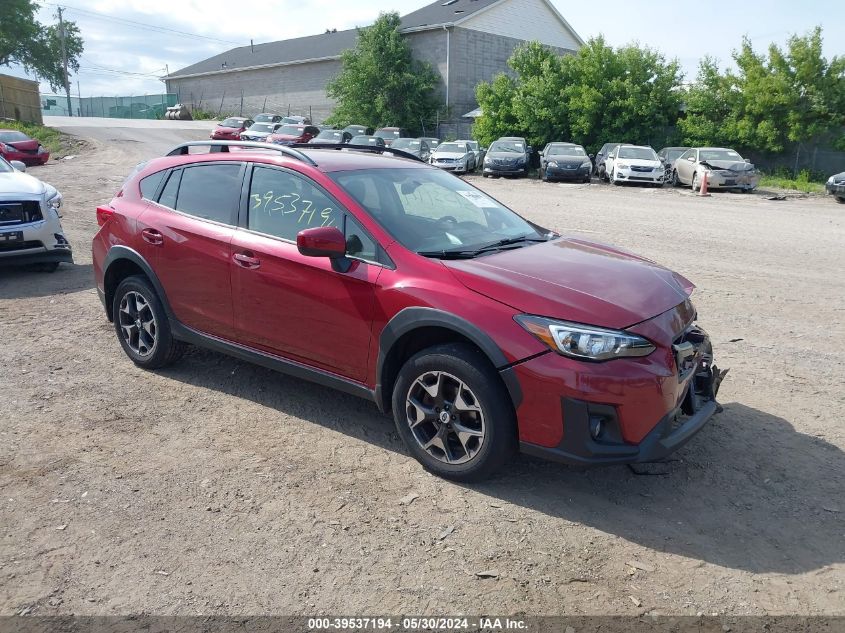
<point x="247" y="260"/>
<point x="151" y="236"/>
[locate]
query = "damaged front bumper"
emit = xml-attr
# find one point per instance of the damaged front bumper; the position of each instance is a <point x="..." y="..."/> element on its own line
<point x="593" y="431"/>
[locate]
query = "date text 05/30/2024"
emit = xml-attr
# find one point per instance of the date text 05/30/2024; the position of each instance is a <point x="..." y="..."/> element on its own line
<point x="415" y="624"/>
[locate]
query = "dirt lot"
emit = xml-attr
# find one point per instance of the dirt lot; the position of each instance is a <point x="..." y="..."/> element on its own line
<point x="219" y="487"/>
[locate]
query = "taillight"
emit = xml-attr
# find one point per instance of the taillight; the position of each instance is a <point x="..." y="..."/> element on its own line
<point x="104" y="214"/>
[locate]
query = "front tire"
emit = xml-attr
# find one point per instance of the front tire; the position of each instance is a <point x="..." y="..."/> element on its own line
<point x="453" y="413"/>
<point x="142" y="326"/>
<point x="695" y="184"/>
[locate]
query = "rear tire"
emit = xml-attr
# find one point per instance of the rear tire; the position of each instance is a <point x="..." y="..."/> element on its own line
<point x="142" y="326"/>
<point x="454" y="414"/>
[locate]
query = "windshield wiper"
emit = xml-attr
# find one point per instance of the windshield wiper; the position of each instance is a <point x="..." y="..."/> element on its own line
<point x="495" y="246"/>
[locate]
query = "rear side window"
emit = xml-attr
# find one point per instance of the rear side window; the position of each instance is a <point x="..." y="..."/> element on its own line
<point x="210" y="192"/>
<point x="282" y="204"/>
<point x="149" y="185"/>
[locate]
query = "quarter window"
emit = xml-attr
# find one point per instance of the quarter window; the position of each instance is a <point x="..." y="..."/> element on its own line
<point x="210" y="192"/>
<point x="282" y="204"/>
<point x="358" y="243"/>
<point x="149" y="185"/>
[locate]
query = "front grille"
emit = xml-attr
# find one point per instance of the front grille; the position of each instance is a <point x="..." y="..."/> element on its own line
<point x="19" y="212"/>
<point x="642" y="169"/>
<point x="20" y="246"/>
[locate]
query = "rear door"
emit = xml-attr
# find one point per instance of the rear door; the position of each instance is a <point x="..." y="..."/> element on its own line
<point x="190" y="228"/>
<point x="296" y="306"/>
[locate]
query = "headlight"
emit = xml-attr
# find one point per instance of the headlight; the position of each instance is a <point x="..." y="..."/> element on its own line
<point x="55" y="201"/>
<point x="587" y="164"/>
<point x="622" y="165"/>
<point x="830" y="180"/>
<point x="584" y="342"/>
<point x="552" y="163"/>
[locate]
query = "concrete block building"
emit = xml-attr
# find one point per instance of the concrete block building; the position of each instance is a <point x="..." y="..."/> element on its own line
<point x="466" y="41"/>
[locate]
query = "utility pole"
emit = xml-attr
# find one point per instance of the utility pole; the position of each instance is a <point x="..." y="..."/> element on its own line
<point x="64" y="61"/>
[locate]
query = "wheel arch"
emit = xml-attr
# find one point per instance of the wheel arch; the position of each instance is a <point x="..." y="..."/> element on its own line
<point x="123" y="262"/>
<point x="414" y="329"/>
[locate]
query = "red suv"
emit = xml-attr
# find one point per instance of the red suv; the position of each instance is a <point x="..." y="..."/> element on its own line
<point x="395" y="281"/>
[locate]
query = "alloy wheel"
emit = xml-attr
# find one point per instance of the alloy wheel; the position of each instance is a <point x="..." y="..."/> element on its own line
<point x="137" y="323"/>
<point x="445" y="417"/>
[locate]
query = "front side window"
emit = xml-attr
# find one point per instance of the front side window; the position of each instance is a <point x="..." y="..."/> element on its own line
<point x="431" y="211"/>
<point x="210" y="192"/>
<point x="282" y="204"/>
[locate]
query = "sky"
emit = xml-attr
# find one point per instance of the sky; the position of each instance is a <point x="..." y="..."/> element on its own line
<point x="130" y="43"/>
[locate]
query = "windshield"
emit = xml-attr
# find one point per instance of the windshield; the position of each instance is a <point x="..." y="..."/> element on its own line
<point x="718" y="154"/>
<point x="388" y="133"/>
<point x="265" y="117"/>
<point x="261" y="127"/>
<point x="365" y="140"/>
<point x="566" y="150"/>
<point x="431" y="211"/>
<point x="405" y="143"/>
<point x="454" y="148"/>
<point x="642" y="153"/>
<point x="13" y="137"/>
<point x="232" y="123"/>
<point x="331" y="135"/>
<point x="292" y="119"/>
<point x="291" y="130"/>
<point x="507" y="146"/>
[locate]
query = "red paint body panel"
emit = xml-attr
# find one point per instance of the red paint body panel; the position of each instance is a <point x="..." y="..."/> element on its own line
<point x="194" y="266"/>
<point x="28" y="152"/>
<point x="221" y="133"/>
<point x="298" y="307"/>
<point x="575" y="281"/>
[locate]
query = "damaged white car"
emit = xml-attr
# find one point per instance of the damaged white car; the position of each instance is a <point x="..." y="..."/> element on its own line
<point x="725" y="169"/>
<point x="30" y="229"/>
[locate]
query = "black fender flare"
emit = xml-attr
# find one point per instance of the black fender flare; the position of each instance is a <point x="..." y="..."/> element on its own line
<point x="124" y="253"/>
<point x="414" y="318"/>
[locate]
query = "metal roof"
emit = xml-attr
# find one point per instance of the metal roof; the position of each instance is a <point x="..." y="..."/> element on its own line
<point x="326" y="45"/>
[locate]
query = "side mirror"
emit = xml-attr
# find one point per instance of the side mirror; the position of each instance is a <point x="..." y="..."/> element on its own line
<point x="18" y="165"/>
<point x="530" y="150"/>
<point x="591" y="156"/>
<point x="321" y="241"/>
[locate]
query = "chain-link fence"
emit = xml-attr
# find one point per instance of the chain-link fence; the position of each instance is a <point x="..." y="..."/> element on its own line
<point x="131" y="107"/>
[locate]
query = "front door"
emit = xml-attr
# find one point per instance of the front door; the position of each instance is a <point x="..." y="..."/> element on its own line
<point x="297" y="306"/>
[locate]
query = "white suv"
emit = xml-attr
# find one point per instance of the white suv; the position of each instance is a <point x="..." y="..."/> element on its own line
<point x="30" y="229"/>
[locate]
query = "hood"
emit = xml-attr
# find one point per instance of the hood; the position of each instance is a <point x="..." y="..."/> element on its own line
<point x="513" y="155"/>
<point x="226" y="128"/>
<point x="261" y="134"/>
<point x="17" y="183"/>
<point x="448" y="154"/>
<point x="29" y="145"/>
<point x="640" y="162"/>
<point x="568" y="160"/>
<point x="729" y="164"/>
<point x="576" y="281"/>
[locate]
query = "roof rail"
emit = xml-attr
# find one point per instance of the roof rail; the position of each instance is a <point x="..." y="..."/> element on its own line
<point x="359" y="148"/>
<point x="223" y="146"/>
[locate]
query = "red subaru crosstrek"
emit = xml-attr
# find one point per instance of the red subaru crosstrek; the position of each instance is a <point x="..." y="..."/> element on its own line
<point x="392" y="280"/>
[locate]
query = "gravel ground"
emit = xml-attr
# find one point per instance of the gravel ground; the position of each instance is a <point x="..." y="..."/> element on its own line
<point x="219" y="487"/>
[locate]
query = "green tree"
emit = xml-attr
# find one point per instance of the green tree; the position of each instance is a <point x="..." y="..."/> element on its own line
<point x="380" y="83"/>
<point x="36" y="47"/>
<point x="599" y="94"/>
<point x="771" y="101"/>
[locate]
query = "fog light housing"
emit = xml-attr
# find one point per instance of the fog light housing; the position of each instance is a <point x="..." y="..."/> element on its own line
<point x="596" y="427"/>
